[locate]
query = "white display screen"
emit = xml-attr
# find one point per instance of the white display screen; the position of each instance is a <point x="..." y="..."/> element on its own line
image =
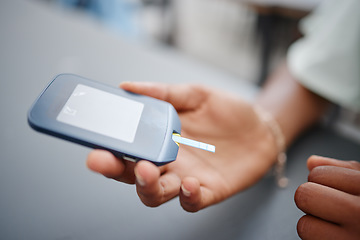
<point x="102" y="112"/>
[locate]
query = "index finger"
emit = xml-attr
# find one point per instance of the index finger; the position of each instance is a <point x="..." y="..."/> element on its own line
<point x="343" y="179"/>
<point x="315" y="161"/>
<point x="182" y="97"/>
<point x="326" y="203"/>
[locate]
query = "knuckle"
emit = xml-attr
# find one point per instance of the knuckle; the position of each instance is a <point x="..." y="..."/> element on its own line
<point x="355" y="165"/>
<point x="199" y="90"/>
<point x="196" y="87"/>
<point x="356" y="208"/>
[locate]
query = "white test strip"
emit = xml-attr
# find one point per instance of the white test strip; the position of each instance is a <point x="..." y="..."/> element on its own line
<point x="193" y="143"/>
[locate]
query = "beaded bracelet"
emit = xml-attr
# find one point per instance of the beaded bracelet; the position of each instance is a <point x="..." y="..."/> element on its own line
<point x="278" y="135"/>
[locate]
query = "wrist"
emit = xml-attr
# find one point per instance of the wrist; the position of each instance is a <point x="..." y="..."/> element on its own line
<point x="279" y="142"/>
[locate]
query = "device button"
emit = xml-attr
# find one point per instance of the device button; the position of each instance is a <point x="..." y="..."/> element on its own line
<point x="129" y="158"/>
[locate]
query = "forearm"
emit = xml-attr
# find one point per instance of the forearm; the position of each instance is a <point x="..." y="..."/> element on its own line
<point x="293" y="106"/>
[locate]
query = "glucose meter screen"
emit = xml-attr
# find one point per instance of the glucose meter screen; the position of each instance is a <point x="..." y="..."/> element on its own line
<point x="102" y="112"/>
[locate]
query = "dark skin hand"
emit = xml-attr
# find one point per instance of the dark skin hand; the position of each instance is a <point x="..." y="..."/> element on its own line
<point x="331" y="200"/>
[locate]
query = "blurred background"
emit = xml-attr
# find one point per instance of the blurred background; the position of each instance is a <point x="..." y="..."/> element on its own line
<point x="245" y="38"/>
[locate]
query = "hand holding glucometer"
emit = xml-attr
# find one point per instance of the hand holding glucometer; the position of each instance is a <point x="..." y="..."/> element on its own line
<point x="138" y="122"/>
<point x="131" y="126"/>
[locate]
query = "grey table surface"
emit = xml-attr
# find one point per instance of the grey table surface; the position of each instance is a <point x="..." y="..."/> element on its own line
<point x="46" y="190"/>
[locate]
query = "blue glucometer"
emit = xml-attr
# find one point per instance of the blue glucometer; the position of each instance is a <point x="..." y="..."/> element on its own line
<point x="131" y="126"/>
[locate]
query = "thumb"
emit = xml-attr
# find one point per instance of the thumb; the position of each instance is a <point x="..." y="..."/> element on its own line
<point x="182" y="97"/>
<point x="315" y="161"/>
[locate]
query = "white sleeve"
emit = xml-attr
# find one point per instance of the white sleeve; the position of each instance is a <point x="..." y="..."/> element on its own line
<point x="327" y="59"/>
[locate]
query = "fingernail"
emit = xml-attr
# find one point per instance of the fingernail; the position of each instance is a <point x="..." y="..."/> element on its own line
<point x="186" y="192"/>
<point x="139" y="179"/>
